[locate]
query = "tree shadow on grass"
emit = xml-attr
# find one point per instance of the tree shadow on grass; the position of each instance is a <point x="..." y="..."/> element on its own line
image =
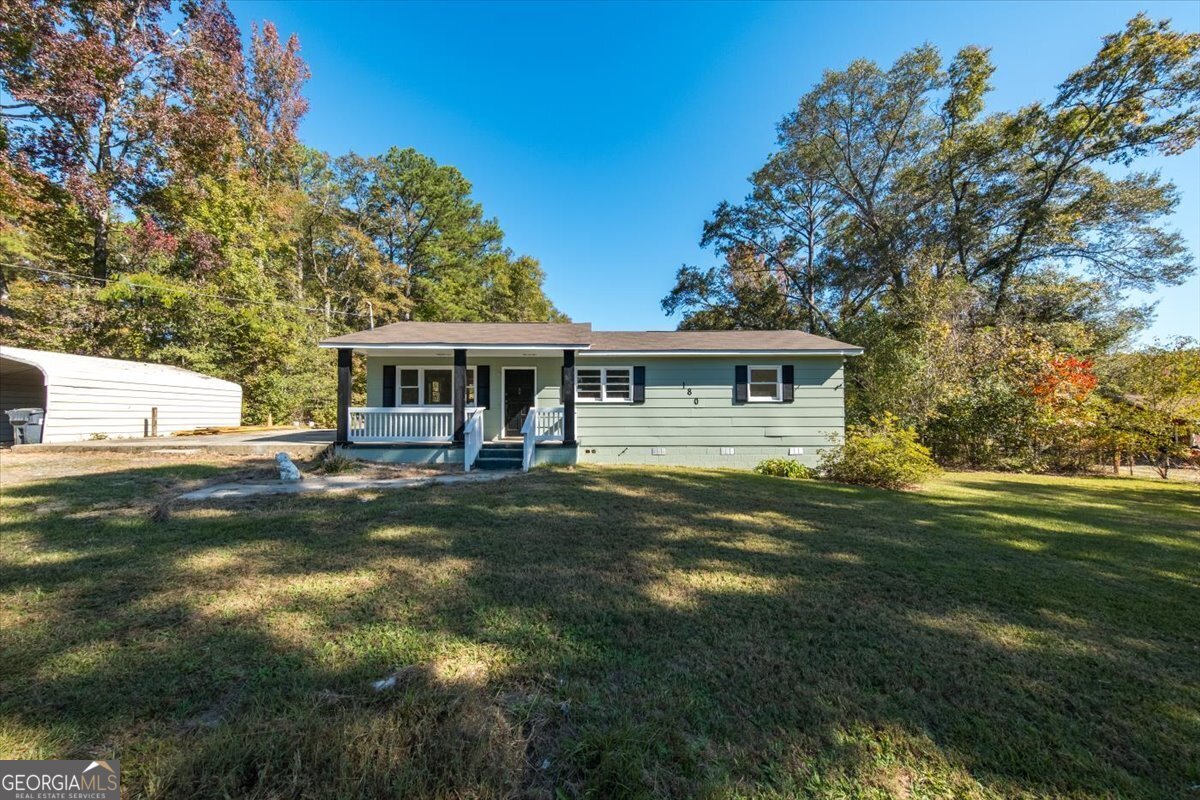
<point x="615" y="633"/>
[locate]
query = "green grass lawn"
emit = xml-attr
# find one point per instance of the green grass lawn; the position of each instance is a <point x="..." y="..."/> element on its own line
<point x="609" y="633"/>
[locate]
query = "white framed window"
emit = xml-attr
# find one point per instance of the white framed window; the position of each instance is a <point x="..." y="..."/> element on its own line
<point x="604" y="384"/>
<point x="408" y="387"/>
<point x="765" y="384"/>
<point x="430" y="386"/>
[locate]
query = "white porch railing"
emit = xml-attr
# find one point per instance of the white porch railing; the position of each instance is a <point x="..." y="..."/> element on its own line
<point x="541" y="425"/>
<point x="401" y="424"/>
<point x="472" y="438"/>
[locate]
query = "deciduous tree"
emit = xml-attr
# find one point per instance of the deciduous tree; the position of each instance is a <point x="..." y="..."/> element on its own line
<point x="876" y="183"/>
<point x="1156" y="391"/>
<point x="88" y="88"/>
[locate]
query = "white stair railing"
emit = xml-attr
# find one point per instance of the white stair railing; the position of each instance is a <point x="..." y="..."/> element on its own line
<point x="541" y="425"/>
<point x="472" y="438"/>
<point x="527" y="431"/>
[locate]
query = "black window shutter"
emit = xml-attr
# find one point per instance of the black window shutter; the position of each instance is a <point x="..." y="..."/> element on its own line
<point x="483" y="385"/>
<point x="789" y="380"/>
<point x="389" y="386"/>
<point x="639" y="384"/>
<point x="741" y="392"/>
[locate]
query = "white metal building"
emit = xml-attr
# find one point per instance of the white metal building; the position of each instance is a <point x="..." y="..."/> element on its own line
<point x="86" y="397"/>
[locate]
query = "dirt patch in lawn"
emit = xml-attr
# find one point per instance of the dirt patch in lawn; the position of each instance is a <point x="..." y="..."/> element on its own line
<point x="167" y="474"/>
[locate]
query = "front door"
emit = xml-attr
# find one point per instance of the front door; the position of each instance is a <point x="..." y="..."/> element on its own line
<point x="518" y="399"/>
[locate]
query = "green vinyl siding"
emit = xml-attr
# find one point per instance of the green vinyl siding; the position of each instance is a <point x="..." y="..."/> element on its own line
<point x="690" y="412"/>
<point x="689" y="408"/>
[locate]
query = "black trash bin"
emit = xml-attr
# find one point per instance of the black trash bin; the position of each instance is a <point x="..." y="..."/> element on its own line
<point x="27" y="424"/>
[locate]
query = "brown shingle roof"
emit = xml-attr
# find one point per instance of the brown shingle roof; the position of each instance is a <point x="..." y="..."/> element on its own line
<point x="713" y="341"/>
<point x="465" y="334"/>
<point x="581" y="336"/>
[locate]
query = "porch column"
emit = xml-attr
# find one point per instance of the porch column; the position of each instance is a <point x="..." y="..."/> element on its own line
<point x="460" y="394"/>
<point x="345" y="357"/>
<point x="568" y="396"/>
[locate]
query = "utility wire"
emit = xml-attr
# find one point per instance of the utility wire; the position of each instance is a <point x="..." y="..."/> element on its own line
<point x="75" y="276"/>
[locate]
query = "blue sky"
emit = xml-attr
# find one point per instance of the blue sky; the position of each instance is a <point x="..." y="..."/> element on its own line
<point x="602" y="135"/>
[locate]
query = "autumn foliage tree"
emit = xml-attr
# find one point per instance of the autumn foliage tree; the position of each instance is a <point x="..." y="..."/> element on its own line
<point x="157" y="203"/>
<point x="1064" y="419"/>
<point x="88" y="90"/>
<point x="274" y="104"/>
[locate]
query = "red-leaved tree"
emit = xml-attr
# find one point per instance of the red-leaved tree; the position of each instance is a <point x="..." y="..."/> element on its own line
<point x="107" y="101"/>
<point x="275" y="104"/>
<point x="86" y="94"/>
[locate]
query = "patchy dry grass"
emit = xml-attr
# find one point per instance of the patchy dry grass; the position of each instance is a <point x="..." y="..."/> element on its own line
<point x="606" y="633"/>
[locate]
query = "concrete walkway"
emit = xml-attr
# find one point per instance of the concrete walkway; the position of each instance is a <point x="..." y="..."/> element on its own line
<point x="335" y="483"/>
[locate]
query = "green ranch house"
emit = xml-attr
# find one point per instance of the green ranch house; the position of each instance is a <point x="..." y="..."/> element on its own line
<point x="508" y="395"/>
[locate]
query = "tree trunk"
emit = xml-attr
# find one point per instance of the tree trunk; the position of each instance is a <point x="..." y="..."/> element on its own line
<point x="810" y="278"/>
<point x="103" y="178"/>
<point x="1164" y="467"/>
<point x="100" y="247"/>
<point x="299" y="294"/>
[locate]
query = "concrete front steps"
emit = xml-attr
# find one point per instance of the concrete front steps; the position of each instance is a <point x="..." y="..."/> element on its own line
<point x="500" y="455"/>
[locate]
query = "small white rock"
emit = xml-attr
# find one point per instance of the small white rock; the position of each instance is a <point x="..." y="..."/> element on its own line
<point x="384" y="683"/>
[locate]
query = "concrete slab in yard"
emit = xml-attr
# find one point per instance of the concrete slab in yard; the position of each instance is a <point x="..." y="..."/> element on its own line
<point x="236" y="491"/>
<point x="296" y="442"/>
